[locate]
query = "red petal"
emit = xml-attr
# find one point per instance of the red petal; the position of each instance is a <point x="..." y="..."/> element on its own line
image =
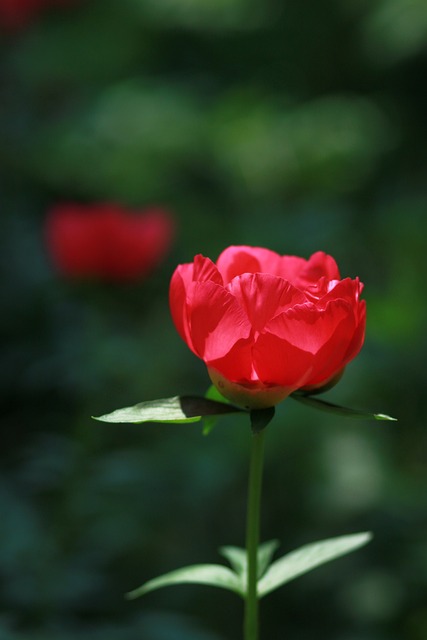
<point x="205" y="269"/>
<point x="132" y="243"/>
<point x="331" y="357"/>
<point x="291" y="267"/>
<point x="346" y="289"/>
<point x="309" y="328"/>
<point x="217" y="321"/>
<point x="264" y="296"/>
<point x="277" y="362"/>
<point x="236" y="260"/>
<point x="305" y="274"/>
<point x="236" y="366"/>
<point x="359" y="335"/>
<point x="179" y="290"/>
<point x="106" y="241"/>
<point x="182" y="289"/>
<point x="148" y="238"/>
<point x="320" y="265"/>
<point x="73" y="240"/>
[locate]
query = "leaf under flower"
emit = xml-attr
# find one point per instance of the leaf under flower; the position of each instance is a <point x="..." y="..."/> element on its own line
<point x="179" y="409"/>
<point x="330" y="407"/>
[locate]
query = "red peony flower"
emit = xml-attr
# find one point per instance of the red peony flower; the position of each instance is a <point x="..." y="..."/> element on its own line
<point x="266" y="325"/>
<point x="105" y="241"/>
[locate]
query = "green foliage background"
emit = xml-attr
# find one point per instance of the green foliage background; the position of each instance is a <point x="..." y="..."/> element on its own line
<point x="293" y="125"/>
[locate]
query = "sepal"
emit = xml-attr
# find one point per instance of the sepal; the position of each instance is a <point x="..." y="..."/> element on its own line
<point x="261" y="418"/>
<point x="179" y="409"/>
<point x="209" y="421"/>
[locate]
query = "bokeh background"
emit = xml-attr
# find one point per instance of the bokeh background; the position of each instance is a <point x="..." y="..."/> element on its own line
<point x="297" y="126"/>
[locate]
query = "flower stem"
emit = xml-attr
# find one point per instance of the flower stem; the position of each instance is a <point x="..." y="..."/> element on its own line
<point x="252" y="535"/>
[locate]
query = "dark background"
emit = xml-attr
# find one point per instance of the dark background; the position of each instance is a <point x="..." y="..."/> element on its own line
<point x="297" y="126"/>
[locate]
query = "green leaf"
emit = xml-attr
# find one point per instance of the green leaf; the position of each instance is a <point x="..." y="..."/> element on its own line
<point x="179" y="409"/>
<point x="210" y="421"/>
<point x="260" y="418"/>
<point x="306" y="558"/>
<point x="265" y="555"/>
<point x="208" y="424"/>
<point x="324" y="405"/>
<point x="237" y="557"/>
<point x="213" y="394"/>
<point x="214" y="575"/>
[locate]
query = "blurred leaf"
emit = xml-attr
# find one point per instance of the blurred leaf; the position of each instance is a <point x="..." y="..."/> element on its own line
<point x="208" y="424"/>
<point x="324" y="405"/>
<point x="133" y="141"/>
<point x="238" y="558"/>
<point x="331" y="144"/>
<point x="178" y="409"/>
<point x="214" y="575"/>
<point x="395" y="30"/>
<point x="108" y="42"/>
<point x="306" y="558"/>
<point x="265" y="555"/>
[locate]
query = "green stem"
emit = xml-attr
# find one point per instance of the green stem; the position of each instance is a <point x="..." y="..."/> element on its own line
<point x="252" y="535"/>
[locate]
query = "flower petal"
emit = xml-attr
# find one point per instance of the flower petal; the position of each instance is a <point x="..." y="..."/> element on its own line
<point x="277" y="362"/>
<point x="327" y="334"/>
<point x="346" y="289"/>
<point x="73" y="242"/>
<point x="205" y="270"/>
<point x="332" y="356"/>
<point x="237" y="260"/>
<point x="264" y="296"/>
<point x="308" y="327"/>
<point x="236" y="365"/>
<point x="181" y="292"/>
<point x="320" y="265"/>
<point x="180" y="287"/>
<point x="149" y="236"/>
<point x="217" y="321"/>
<point x="306" y="274"/>
<point x="106" y="241"/>
<point x="359" y="335"/>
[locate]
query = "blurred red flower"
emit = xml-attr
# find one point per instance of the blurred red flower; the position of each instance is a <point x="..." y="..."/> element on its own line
<point x="107" y="242"/>
<point x="267" y="325"/>
<point x="18" y="13"/>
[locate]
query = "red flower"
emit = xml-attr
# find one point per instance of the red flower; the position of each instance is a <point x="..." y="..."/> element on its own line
<point x="266" y="325"/>
<point x="105" y="241"/>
